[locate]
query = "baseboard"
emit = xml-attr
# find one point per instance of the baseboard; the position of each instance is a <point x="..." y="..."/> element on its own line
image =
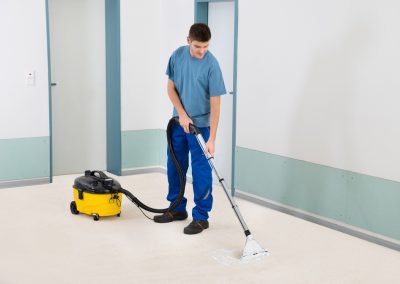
<point x="159" y="169"/>
<point x="25" y="182"/>
<point x="162" y="170"/>
<point x="326" y="222"/>
<point x="332" y="224"/>
<point x="146" y="170"/>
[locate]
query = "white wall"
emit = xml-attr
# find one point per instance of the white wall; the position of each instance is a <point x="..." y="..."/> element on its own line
<point x="140" y="63"/>
<point x="24" y="110"/>
<point x="176" y="18"/>
<point x="150" y="31"/>
<point x="319" y="81"/>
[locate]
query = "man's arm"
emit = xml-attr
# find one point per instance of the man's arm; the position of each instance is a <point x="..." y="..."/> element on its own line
<point x="184" y="119"/>
<point x="215" y="103"/>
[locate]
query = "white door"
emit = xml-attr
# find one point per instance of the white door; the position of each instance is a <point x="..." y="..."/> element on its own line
<point x="77" y="48"/>
<point x="221" y="17"/>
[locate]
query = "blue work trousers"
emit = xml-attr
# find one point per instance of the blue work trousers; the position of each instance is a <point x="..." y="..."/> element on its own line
<point x="201" y="171"/>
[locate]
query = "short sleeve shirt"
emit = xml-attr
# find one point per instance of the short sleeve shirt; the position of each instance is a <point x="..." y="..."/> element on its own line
<point x="195" y="80"/>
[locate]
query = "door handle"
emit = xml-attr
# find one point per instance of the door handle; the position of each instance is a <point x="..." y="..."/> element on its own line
<point x="53" y="84"/>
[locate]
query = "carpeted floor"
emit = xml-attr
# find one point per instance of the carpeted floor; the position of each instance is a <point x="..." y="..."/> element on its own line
<point x="42" y="242"/>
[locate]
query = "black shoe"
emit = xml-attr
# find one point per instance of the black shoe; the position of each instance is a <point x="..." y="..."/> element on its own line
<point x="195" y="227"/>
<point x="170" y="216"/>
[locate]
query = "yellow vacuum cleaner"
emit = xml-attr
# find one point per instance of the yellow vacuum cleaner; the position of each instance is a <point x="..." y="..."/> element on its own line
<point x="97" y="195"/>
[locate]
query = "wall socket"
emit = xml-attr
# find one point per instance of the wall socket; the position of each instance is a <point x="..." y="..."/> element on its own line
<point x="30" y="78"/>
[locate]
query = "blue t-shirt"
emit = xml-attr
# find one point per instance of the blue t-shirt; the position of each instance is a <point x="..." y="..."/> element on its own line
<point x="195" y="81"/>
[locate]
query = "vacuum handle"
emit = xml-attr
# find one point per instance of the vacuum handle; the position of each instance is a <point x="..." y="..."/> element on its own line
<point x="193" y="129"/>
<point x="99" y="174"/>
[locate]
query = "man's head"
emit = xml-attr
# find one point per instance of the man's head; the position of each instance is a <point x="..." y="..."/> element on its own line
<point x="198" y="39"/>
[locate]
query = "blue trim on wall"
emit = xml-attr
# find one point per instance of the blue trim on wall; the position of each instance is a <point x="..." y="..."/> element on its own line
<point x="201" y="12"/>
<point x="208" y="1"/>
<point x="50" y="93"/>
<point x="113" y="85"/>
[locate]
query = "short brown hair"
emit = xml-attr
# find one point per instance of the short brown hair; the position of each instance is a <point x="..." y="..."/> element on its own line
<point x="200" y="32"/>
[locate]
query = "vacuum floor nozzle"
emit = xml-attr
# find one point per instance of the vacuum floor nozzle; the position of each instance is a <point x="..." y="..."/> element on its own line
<point x="253" y="249"/>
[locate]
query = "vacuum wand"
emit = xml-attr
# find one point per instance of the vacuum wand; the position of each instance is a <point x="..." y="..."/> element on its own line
<point x="194" y="130"/>
<point x="252" y="249"/>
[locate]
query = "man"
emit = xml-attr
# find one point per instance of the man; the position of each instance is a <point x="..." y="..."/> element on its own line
<point x="195" y="85"/>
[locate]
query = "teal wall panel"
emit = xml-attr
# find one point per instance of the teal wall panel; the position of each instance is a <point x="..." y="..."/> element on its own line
<point x="144" y="148"/>
<point x="363" y="201"/>
<point x="24" y="158"/>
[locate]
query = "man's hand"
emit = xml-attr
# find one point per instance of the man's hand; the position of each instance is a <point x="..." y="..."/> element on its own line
<point x="184" y="121"/>
<point x="210" y="147"/>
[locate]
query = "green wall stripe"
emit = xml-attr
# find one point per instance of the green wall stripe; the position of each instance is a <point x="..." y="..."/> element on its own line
<point x="113" y="85"/>
<point x="359" y="200"/>
<point x="24" y="158"/>
<point x="144" y="148"/>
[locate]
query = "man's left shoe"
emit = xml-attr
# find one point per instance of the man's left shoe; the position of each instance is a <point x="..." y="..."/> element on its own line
<point x="195" y="227"/>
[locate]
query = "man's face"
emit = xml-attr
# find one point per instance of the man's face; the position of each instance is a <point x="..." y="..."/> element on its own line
<point x="197" y="48"/>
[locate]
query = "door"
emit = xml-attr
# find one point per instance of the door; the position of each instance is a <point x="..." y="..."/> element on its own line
<point x="221" y="17"/>
<point x="77" y="46"/>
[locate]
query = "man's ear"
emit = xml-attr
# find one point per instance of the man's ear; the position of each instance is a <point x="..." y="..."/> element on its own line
<point x="188" y="40"/>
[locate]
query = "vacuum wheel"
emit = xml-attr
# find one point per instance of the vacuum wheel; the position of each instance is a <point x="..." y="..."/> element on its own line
<point x="73" y="208"/>
<point x="96" y="217"/>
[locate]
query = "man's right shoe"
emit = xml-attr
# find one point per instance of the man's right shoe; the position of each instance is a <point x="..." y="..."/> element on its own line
<point x="195" y="227"/>
<point x="170" y="216"/>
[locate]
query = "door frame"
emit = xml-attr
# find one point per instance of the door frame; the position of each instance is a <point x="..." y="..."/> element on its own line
<point x="201" y="16"/>
<point x="113" y="87"/>
<point x="50" y="91"/>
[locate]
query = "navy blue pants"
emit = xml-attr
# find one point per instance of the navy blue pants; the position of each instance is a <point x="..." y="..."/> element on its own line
<point x="201" y="171"/>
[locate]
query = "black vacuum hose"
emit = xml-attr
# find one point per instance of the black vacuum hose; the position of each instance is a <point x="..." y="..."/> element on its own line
<point x="182" y="177"/>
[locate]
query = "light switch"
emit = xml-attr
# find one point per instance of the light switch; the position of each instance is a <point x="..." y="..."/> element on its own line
<point x="30" y="78"/>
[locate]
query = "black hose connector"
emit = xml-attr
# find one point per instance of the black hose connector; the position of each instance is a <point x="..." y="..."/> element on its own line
<point x="193" y="129"/>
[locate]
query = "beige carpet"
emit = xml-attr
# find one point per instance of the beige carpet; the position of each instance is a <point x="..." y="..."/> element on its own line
<point x="42" y="242"/>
